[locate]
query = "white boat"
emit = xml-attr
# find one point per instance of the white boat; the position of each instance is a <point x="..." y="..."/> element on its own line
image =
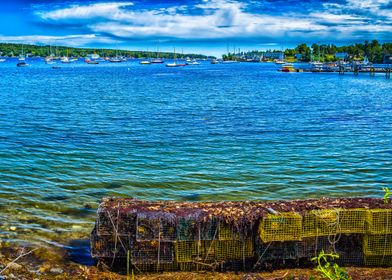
<point x="116" y="59"/>
<point x="93" y="56"/>
<point x="175" y="64"/>
<point x="229" y="61"/>
<point x="157" y="60"/>
<point x="214" y="61"/>
<point x="192" y="62"/>
<point x="365" y="60"/>
<point x="65" y="59"/>
<point x="145" y="62"/>
<point x="278" y="61"/>
<point x="2" y="60"/>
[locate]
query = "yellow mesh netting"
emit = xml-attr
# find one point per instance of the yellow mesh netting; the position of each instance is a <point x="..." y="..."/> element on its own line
<point x="234" y="249"/>
<point x="377" y="245"/>
<point x="379" y="221"/>
<point x="281" y="227"/>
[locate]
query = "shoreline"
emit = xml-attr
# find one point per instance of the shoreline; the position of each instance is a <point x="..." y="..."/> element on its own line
<point x="53" y="263"/>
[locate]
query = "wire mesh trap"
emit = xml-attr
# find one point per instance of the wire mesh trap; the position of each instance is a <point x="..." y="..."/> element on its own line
<point x="169" y="236"/>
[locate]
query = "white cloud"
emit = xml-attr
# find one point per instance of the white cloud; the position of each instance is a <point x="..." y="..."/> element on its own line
<point x="70" y="40"/>
<point x="103" y="10"/>
<point x="217" y="19"/>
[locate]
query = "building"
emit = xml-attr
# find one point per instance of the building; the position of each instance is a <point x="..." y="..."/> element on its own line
<point x="341" y="55"/>
<point x="273" y="55"/>
<point x="387" y="59"/>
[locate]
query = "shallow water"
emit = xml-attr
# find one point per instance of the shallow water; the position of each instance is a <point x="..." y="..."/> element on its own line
<point x="70" y="136"/>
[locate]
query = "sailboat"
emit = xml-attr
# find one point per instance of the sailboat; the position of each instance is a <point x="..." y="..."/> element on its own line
<point x="365" y="60"/>
<point x="157" y="59"/>
<point x="22" y="60"/>
<point x="192" y="62"/>
<point x="175" y="64"/>
<point x="65" y="59"/>
<point x="145" y="62"/>
<point x="116" y="59"/>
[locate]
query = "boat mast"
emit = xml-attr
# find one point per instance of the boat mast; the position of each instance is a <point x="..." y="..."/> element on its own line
<point x="158" y="49"/>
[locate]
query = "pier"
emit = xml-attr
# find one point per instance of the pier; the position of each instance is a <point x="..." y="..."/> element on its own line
<point x="351" y="69"/>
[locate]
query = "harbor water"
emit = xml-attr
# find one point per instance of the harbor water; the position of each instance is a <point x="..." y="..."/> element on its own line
<point x="70" y="136"/>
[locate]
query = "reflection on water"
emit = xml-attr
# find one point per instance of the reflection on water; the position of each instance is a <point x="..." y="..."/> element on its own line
<point x="210" y="132"/>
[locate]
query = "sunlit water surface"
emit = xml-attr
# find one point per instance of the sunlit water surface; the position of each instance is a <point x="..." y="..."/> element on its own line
<point x="73" y="135"/>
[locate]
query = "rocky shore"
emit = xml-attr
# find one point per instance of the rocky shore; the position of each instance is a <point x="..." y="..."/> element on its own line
<point x="27" y="263"/>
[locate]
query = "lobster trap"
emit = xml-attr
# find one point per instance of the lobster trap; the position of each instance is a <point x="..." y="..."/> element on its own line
<point x="169" y="236"/>
<point x="281" y="227"/>
<point x="380" y="221"/>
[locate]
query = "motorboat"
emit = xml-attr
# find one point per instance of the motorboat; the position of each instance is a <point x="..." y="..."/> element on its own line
<point x="279" y="62"/>
<point x="65" y="59"/>
<point x="156" y="61"/>
<point x="192" y="62"/>
<point x="88" y="61"/>
<point x="116" y="59"/>
<point x="22" y="64"/>
<point x="288" y="67"/>
<point x="145" y="62"/>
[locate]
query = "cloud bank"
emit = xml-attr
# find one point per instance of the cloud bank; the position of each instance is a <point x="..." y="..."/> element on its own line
<point x="219" y="20"/>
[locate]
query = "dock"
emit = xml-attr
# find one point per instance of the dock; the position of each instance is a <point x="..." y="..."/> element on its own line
<point x="351" y="69"/>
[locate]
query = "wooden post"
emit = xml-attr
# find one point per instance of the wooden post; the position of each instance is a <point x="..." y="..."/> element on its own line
<point x="356" y="71"/>
<point x="372" y="71"/>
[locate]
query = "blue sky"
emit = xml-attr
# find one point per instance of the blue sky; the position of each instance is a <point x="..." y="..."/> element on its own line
<point x="205" y="26"/>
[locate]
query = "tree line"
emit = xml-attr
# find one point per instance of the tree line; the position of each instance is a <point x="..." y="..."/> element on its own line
<point x="12" y="50"/>
<point x="374" y="50"/>
<point x="326" y="52"/>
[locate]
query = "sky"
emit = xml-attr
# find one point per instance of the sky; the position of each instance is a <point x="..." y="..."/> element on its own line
<point x="205" y="26"/>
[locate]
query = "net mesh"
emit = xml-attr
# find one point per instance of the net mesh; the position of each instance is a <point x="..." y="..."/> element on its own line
<point x="234" y="249"/>
<point x="163" y="242"/>
<point x="380" y="221"/>
<point x="377" y="245"/>
<point x="155" y="229"/>
<point x="225" y="232"/>
<point x="379" y="261"/>
<point x="152" y="252"/>
<point x="278" y="250"/>
<point x="190" y="230"/>
<point x="194" y="251"/>
<point x="281" y="227"/>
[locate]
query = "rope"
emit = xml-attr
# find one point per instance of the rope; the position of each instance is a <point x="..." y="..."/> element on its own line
<point x="269" y="244"/>
<point x="385" y="237"/>
<point x="212" y="242"/>
<point x="159" y="242"/>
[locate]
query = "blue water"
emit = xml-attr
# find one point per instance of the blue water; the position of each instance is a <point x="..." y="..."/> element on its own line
<point x="70" y="136"/>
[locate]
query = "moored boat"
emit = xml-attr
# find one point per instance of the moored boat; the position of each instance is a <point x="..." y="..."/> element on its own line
<point x="145" y="62"/>
<point x="192" y="62"/>
<point x="288" y="67"/>
<point x="88" y="61"/>
<point x="22" y="64"/>
<point x="156" y="61"/>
